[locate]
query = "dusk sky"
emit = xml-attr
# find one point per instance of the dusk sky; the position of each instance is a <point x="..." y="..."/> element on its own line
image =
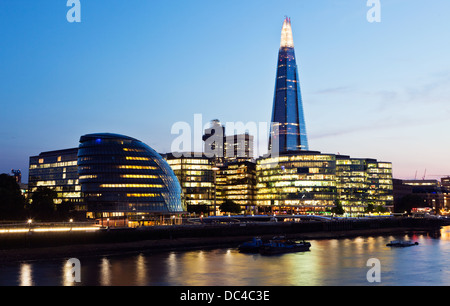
<point x="378" y="90"/>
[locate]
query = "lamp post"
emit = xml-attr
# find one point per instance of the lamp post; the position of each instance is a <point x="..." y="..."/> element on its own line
<point x="215" y="169"/>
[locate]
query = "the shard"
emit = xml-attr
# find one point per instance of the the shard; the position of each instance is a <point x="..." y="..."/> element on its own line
<point x="288" y="129"/>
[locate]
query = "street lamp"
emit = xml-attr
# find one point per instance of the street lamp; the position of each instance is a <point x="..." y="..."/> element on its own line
<point x="215" y="169"/>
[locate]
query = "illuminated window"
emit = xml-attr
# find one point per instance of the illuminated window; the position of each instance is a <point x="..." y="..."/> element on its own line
<point x="139" y="176"/>
<point x="138" y="167"/>
<point x="131" y="186"/>
<point x="137" y="158"/>
<point x="142" y="195"/>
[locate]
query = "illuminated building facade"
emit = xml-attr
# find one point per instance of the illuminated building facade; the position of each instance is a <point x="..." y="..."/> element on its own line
<point x="57" y="170"/>
<point x="125" y="180"/>
<point x="196" y="176"/>
<point x="312" y="182"/>
<point x="445" y="182"/>
<point x="351" y="183"/>
<point x="380" y="185"/>
<point x="361" y="182"/>
<point x="298" y="182"/>
<point x="236" y="181"/>
<point x="288" y="128"/>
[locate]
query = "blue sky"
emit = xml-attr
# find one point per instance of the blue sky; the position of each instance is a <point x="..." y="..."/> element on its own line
<point x="379" y="90"/>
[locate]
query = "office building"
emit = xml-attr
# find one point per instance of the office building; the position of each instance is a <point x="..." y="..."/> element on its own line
<point x="313" y="182"/>
<point x="296" y="182"/>
<point x="196" y="177"/>
<point x="57" y="170"/>
<point x="288" y="128"/>
<point x="430" y="191"/>
<point x="225" y="148"/>
<point x="236" y="182"/>
<point x="351" y="183"/>
<point x="125" y="182"/>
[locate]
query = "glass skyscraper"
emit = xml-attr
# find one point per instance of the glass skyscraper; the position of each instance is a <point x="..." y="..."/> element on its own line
<point x="288" y="129"/>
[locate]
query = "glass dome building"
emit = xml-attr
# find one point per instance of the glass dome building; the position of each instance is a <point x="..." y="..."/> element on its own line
<point x="123" y="178"/>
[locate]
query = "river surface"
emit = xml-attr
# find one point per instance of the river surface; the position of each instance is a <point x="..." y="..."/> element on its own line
<point x="329" y="262"/>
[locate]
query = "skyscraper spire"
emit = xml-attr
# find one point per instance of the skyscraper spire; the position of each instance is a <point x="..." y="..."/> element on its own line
<point x="288" y="128"/>
<point x="287" y="39"/>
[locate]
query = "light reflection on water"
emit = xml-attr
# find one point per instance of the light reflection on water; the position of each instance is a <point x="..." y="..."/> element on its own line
<point x="330" y="262"/>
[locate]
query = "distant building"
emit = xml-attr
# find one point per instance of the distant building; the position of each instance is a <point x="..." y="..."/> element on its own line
<point x="17" y="174"/>
<point x="224" y="148"/>
<point x="434" y="195"/>
<point x="57" y="170"/>
<point x="430" y="191"/>
<point x="445" y="182"/>
<point x="239" y="147"/>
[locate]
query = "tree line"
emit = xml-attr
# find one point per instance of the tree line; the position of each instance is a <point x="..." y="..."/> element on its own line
<point x="40" y="206"/>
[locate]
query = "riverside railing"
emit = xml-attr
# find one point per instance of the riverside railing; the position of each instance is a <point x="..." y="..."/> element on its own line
<point x="30" y="226"/>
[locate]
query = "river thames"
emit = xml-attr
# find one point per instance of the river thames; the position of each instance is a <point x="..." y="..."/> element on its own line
<point x="330" y="262"/>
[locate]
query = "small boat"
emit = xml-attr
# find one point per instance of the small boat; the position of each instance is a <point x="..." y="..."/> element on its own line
<point x="251" y="246"/>
<point x="401" y="244"/>
<point x="279" y="246"/>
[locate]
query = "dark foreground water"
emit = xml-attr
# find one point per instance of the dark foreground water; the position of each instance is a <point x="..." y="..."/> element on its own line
<point x="330" y="262"/>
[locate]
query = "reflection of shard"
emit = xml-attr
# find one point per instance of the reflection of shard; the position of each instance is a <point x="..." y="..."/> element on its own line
<point x="288" y="124"/>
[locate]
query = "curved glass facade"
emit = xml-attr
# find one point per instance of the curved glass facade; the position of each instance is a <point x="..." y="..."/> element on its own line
<point x="121" y="174"/>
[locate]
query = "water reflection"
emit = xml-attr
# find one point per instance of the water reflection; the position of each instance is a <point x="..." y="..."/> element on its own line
<point x="105" y="272"/>
<point x="330" y="262"/>
<point x="25" y="278"/>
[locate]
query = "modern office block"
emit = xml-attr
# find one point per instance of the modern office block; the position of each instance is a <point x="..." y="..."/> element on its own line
<point x="196" y="177"/>
<point x="298" y="182"/>
<point x="236" y="181"/>
<point x="57" y="170"/>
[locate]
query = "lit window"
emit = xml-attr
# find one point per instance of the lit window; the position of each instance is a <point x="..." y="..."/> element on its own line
<point x="137" y="158"/>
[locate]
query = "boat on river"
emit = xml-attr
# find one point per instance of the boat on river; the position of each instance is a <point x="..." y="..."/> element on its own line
<point x="251" y="246"/>
<point x="401" y="244"/>
<point x="279" y="246"/>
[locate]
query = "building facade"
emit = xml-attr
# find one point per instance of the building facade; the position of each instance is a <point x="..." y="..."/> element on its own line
<point x="288" y="128"/>
<point x="57" y="170"/>
<point x="236" y="181"/>
<point x="224" y="148"/>
<point x="197" y="180"/>
<point x="298" y="182"/>
<point x="313" y="182"/>
<point x="125" y="181"/>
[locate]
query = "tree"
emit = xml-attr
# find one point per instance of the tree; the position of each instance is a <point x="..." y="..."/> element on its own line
<point x="338" y="209"/>
<point x="230" y="207"/>
<point x="198" y="208"/>
<point x="64" y="210"/>
<point x="12" y="203"/>
<point x="42" y="203"/>
<point x="408" y="202"/>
